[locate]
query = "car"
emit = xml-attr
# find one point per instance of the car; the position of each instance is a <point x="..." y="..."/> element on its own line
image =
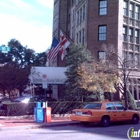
<point x="22" y="99"/>
<point x="104" y="113"/>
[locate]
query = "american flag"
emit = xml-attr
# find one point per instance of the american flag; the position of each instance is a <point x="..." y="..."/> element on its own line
<point x="55" y="47"/>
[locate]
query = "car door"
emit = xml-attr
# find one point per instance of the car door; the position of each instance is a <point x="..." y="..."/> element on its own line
<point x="121" y="112"/>
<point x="111" y="111"/>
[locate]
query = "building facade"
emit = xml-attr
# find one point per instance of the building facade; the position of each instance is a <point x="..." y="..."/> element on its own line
<point x="103" y="23"/>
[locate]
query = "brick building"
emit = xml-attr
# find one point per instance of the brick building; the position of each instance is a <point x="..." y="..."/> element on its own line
<point x="99" y="23"/>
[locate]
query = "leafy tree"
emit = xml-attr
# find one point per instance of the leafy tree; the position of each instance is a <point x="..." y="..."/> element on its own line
<point x="98" y="78"/>
<point x="15" y="66"/>
<point x="77" y="54"/>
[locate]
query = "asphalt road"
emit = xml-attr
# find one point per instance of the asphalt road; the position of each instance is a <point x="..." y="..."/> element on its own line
<point x="69" y="132"/>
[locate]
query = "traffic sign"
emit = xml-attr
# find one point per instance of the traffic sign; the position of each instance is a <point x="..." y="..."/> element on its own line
<point x="4" y="49"/>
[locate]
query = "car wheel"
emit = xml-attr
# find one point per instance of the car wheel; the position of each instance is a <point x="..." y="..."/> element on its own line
<point x="135" y="119"/>
<point x="85" y="123"/>
<point x="105" y="121"/>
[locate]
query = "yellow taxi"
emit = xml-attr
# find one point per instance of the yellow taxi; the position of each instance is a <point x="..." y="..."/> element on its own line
<point x="104" y="113"/>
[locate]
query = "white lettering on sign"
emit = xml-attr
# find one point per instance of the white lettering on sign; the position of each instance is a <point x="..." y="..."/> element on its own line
<point x="48" y="112"/>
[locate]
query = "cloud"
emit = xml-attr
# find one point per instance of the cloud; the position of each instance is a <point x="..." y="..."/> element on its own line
<point x="47" y="4"/>
<point x="28" y="33"/>
<point x="20" y="3"/>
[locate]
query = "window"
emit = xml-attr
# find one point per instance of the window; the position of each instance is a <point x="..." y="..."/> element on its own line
<point x="102" y="56"/>
<point x="131" y="10"/>
<point x="137" y="12"/>
<point x="124" y="33"/>
<point x="130" y="35"/>
<point x="77" y="17"/>
<point x="125" y="8"/>
<point x="72" y="2"/>
<point x="137" y="36"/>
<point x="102" y="32"/>
<point x="84" y="12"/>
<point x="83" y="36"/>
<point x="93" y="106"/>
<point x="110" y="106"/>
<point x="102" y="7"/>
<point x="80" y="15"/>
<point x="119" y="106"/>
<point x="73" y="13"/>
<point x="136" y="57"/>
<point x="72" y="33"/>
<point x="79" y="36"/>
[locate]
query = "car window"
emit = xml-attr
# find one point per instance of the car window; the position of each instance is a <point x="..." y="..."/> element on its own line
<point x="93" y="106"/>
<point x="110" y="106"/>
<point x="119" y="106"/>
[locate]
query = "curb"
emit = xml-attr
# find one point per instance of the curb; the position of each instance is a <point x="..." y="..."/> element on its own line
<point x="38" y="126"/>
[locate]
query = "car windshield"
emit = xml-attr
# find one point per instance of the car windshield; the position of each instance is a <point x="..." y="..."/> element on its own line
<point x="93" y="106"/>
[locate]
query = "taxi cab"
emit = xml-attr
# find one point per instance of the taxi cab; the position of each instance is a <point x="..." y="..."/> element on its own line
<point x="104" y="113"/>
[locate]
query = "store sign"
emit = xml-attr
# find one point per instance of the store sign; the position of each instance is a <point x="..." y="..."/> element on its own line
<point x="52" y="75"/>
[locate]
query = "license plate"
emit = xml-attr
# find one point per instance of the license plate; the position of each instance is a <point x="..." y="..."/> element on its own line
<point x="78" y="113"/>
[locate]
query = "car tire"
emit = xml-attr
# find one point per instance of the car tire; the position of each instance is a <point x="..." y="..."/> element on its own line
<point x="105" y="121"/>
<point x="135" y="119"/>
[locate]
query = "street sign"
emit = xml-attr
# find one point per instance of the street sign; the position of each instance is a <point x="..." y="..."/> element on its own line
<point x="4" y="49"/>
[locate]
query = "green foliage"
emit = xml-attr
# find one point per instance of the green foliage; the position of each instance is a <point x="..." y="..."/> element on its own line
<point x="76" y="55"/>
<point x="16" y="65"/>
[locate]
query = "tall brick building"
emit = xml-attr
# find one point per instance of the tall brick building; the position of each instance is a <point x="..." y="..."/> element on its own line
<point x="99" y="23"/>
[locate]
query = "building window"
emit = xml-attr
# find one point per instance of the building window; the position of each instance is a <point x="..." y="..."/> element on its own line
<point x="131" y="10"/>
<point x="137" y="36"/>
<point x="130" y="35"/>
<point x="137" y="12"/>
<point x="72" y="2"/>
<point x="77" y="17"/>
<point x="136" y="57"/>
<point x="124" y="33"/>
<point x="130" y="59"/>
<point x="77" y="38"/>
<point x="83" y="36"/>
<point x="102" y="7"/>
<point x="73" y="15"/>
<point x="80" y="15"/>
<point x="125" y="8"/>
<point x="84" y="12"/>
<point x="68" y="18"/>
<point x="102" y="56"/>
<point x="102" y="32"/>
<point x="72" y="33"/>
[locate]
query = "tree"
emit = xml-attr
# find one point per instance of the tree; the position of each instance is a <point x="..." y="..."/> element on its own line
<point x="97" y="77"/>
<point x="77" y="54"/>
<point x="124" y="66"/>
<point x="16" y="65"/>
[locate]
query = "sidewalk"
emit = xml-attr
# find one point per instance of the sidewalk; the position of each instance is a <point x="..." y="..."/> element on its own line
<point x="28" y="122"/>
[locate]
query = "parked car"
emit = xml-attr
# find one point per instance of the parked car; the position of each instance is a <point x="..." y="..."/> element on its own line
<point x="104" y="113"/>
<point x="25" y="99"/>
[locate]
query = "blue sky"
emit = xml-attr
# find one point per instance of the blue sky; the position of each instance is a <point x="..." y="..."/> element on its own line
<point x="28" y="21"/>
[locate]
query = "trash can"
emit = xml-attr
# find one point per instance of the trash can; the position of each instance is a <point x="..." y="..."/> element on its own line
<point x="47" y="114"/>
<point x="38" y="113"/>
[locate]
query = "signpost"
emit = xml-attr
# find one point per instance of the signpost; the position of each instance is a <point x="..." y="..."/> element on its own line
<point x="44" y="84"/>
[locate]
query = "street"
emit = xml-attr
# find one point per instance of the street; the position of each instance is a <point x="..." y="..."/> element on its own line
<point x="68" y="132"/>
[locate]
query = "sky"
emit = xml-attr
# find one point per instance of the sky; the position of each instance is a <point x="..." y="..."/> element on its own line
<point x="28" y="21"/>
